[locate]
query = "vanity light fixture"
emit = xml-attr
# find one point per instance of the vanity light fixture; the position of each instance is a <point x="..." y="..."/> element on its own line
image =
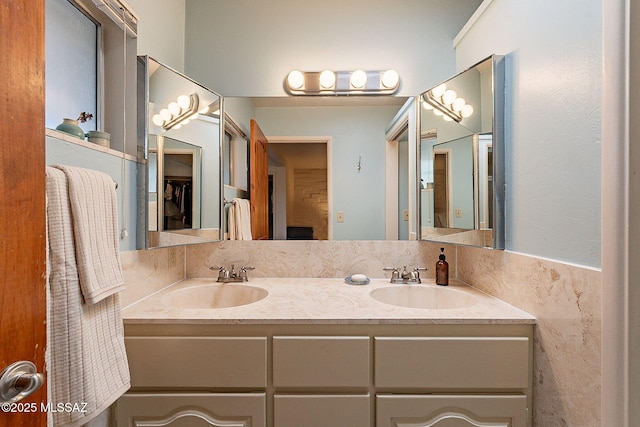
<point x="358" y="79"/>
<point x="178" y="112"/>
<point x="445" y="102"/>
<point x="329" y="82"/>
<point x="327" y="79"/>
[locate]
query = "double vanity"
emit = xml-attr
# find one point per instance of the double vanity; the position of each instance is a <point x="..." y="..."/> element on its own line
<point x="285" y="352"/>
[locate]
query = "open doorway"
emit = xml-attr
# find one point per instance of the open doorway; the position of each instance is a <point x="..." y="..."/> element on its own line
<point x="300" y="190"/>
<point x="441" y="187"/>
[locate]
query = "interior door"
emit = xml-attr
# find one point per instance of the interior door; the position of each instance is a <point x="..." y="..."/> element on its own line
<point x="22" y="191"/>
<point x="259" y="182"/>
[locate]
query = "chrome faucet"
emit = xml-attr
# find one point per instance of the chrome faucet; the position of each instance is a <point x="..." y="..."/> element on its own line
<point x="232" y="276"/>
<point x="405" y="277"/>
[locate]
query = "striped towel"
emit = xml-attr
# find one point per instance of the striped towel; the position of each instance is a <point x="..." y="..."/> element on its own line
<point x="94" y="211"/>
<point x="86" y="357"/>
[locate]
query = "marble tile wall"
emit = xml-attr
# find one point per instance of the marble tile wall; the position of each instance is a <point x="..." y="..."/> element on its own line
<point x="315" y="258"/>
<point x="148" y="271"/>
<point x="565" y="300"/>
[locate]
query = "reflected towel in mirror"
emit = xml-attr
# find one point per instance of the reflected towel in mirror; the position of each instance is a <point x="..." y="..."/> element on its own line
<point x="239" y="220"/>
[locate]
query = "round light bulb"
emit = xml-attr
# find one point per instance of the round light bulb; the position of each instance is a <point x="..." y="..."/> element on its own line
<point x="439" y="90"/>
<point x="390" y="79"/>
<point x="358" y="79"/>
<point x="157" y="120"/>
<point x="458" y="104"/>
<point x="185" y="121"/>
<point x="165" y="114"/>
<point x="427" y="106"/>
<point x="194" y="116"/>
<point x="327" y="79"/>
<point x="467" y="111"/>
<point x="449" y="96"/>
<point x="184" y="101"/>
<point x="295" y="79"/>
<point x="437" y="112"/>
<point x="178" y="126"/>
<point x="447" y="118"/>
<point x="174" y="108"/>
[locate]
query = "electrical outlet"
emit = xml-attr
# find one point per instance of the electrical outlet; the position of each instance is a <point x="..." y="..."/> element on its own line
<point x="458" y="213"/>
<point x="405" y="214"/>
<point x="340" y="216"/>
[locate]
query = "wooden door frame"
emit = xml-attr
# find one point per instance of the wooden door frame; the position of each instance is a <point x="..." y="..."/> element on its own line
<point x="23" y="213"/>
<point x="315" y="140"/>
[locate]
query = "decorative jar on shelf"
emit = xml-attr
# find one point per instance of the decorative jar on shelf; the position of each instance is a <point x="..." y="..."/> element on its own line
<point x="71" y="127"/>
<point x="100" y="138"/>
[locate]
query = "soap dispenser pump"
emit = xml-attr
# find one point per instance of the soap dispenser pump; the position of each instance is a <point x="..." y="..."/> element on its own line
<point x="442" y="270"/>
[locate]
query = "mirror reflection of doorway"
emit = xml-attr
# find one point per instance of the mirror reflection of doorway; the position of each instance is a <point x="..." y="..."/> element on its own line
<point x="299" y="202"/>
<point x="177" y="191"/>
<point x="440" y="190"/>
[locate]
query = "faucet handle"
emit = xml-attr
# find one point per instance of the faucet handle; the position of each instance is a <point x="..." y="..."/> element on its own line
<point x="243" y="273"/>
<point x="395" y="275"/>
<point x="222" y="273"/>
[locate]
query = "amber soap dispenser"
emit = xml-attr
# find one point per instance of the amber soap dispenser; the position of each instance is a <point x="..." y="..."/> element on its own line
<point x="442" y="270"/>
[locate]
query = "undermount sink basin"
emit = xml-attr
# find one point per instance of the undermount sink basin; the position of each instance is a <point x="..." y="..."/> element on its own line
<point x="420" y="296"/>
<point x="214" y="296"/>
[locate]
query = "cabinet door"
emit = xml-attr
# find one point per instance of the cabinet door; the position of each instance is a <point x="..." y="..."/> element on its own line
<point x="451" y="411"/>
<point x="214" y="363"/>
<point x="316" y="362"/>
<point x="191" y="410"/>
<point x="337" y="410"/>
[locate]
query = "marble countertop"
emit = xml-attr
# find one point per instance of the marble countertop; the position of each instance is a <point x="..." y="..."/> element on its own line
<point x="321" y="301"/>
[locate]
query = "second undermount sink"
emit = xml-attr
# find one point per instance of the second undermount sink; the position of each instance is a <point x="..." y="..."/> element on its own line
<point x="420" y="296"/>
<point x="214" y="296"/>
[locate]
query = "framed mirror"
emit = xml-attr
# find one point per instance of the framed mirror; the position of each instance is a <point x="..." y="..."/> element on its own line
<point x="180" y="200"/>
<point x="461" y="154"/>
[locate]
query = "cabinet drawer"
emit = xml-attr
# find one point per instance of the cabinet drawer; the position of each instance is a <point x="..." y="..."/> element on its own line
<point x="322" y="410"/>
<point x="452" y="363"/>
<point x="197" y="362"/>
<point x="335" y="362"/>
<point x="191" y="409"/>
<point x="452" y="410"/>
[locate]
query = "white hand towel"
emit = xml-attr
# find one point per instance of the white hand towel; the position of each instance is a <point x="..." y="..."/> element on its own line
<point x="86" y="356"/>
<point x="95" y="230"/>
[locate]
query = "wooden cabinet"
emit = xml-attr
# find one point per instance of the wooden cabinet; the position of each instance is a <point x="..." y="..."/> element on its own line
<point x="362" y="375"/>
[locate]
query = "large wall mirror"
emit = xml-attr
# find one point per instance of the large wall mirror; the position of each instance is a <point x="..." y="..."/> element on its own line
<point x="328" y="165"/>
<point x="461" y="155"/>
<point x="179" y="120"/>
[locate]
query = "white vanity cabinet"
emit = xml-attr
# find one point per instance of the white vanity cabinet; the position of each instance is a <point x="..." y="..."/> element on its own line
<point x="321" y="381"/>
<point x="195" y="381"/>
<point x="461" y="381"/>
<point x="329" y="375"/>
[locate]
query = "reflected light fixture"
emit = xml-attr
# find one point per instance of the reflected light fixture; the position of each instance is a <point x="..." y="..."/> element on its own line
<point x="445" y="102"/>
<point x="328" y="82"/>
<point x="178" y="112"/>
